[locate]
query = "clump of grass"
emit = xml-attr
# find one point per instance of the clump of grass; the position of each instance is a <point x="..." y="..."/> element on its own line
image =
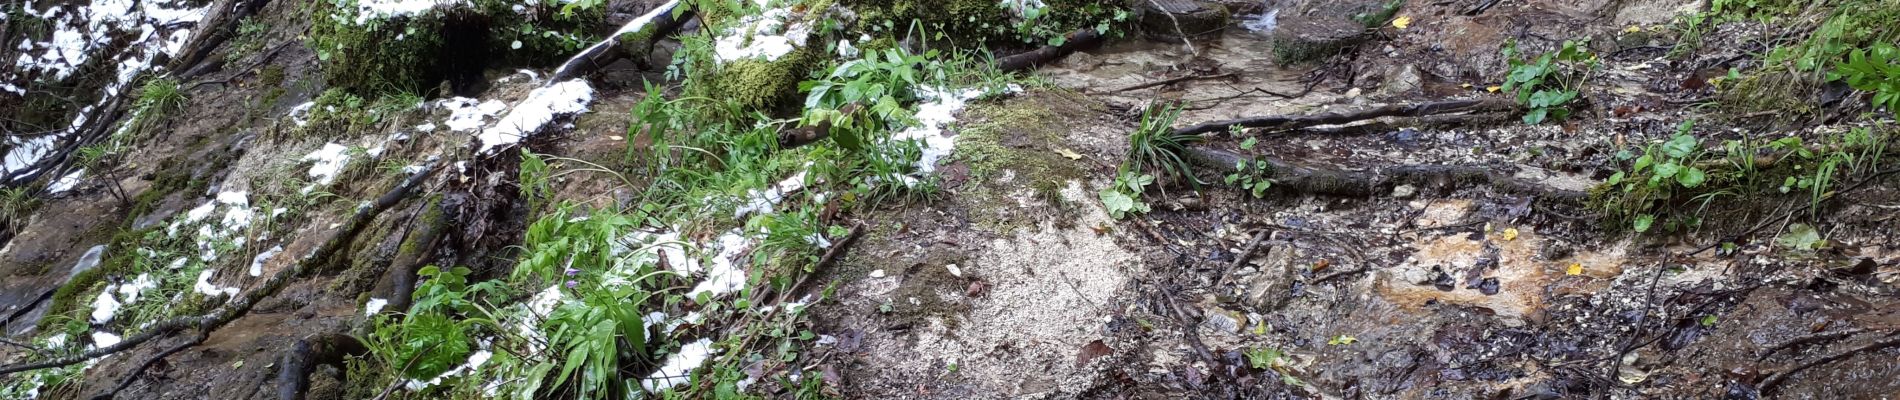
<point x="157" y="100"/>
<point x="1154" y="147"/>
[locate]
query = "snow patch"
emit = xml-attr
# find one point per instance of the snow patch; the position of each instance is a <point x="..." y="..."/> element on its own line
<point x="676" y="370"/>
<point x="765" y="36"/>
<point x="374" y="306"/>
<point x="330" y="161"/>
<point x="540" y="108"/>
<point x="257" y="263"/>
<point x="67" y="182"/>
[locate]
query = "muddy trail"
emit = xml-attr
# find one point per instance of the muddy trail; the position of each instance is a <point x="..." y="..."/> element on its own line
<point x="410" y="199"/>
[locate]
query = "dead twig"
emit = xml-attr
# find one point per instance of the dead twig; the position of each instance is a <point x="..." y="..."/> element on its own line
<point x="1077" y="40"/>
<point x="1809" y="339"/>
<point x="1241" y="259"/>
<point x="1338" y="182"/>
<point x="831" y="257"/>
<point x="1185" y="41"/>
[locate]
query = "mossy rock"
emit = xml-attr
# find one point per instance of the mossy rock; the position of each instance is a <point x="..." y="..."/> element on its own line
<point x="1318" y="29"/>
<point x="757" y="84"/>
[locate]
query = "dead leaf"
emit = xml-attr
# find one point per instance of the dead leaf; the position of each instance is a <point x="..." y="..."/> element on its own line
<point x="1071" y="154"/>
<point x="1321" y="264"/>
<point x="1493" y="89"/>
<point x="1574" y="270"/>
<point x="1509" y="234"/>
<point x="1095" y="349"/>
<point x="1402" y="22"/>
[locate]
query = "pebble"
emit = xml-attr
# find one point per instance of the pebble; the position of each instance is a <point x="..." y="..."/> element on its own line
<point x="877" y="274"/>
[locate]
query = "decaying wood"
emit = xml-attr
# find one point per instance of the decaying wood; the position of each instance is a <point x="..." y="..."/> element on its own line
<point x="1338" y="182"/>
<point x="1336" y="118"/>
<point x="412" y="254"/>
<point x="230" y="311"/>
<point x="1077" y="40"/>
<point x="222" y="26"/>
<point x="652" y="26"/>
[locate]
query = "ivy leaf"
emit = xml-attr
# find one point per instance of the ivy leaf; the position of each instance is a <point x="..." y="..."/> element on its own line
<point x="1681" y="146"/>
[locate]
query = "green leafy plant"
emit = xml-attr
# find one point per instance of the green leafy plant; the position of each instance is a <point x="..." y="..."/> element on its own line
<point x="1547" y="83"/>
<point x="1252" y="176"/>
<point x="1155" y="148"/>
<point x="1662" y="170"/>
<point x="860" y="97"/>
<point x="1875" y="70"/>
<point x="1123" y="198"/>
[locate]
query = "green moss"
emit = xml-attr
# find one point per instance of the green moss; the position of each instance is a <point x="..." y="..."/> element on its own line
<point x="976" y="23"/>
<point x="765" y="85"/>
<point x="1017" y="146"/>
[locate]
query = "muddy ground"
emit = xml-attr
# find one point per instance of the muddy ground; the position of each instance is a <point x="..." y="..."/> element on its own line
<point x="1014" y="282"/>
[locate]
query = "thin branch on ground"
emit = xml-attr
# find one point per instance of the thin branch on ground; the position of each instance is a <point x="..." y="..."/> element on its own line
<point x="140" y="369"/>
<point x="1171" y="81"/>
<point x="1241" y="259"/>
<point x="1768" y="385"/>
<point x="1336" y="118"/>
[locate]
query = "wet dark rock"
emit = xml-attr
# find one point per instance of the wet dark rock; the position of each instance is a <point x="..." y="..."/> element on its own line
<point x="1196" y="19"/>
<point x="1443" y="281"/>
<point x="1488" y="286"/>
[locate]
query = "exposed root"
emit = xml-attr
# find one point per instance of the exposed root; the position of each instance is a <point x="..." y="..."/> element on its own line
<point x="293" y="374"/>
<point x="1336" y="118"/>
<point x="140" y="369"/>
<point x="1029" y="60"/>
<point x="1337" y="182"/>
<point x="1768" y="385"/>
<point x="1810" y="339"/>
<point x="211" y="322"/>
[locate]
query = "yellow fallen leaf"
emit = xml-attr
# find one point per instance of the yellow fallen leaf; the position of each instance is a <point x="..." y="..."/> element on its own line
<point x="1464" y="85"/>
<point x="1574" y="270"/>
<point x="1493" y="89"/>
<point x="1072" y="155"/>
<point x="1401" y="22"/>
<point x="1509" y="234"/>
<point x="1633" y="29"/>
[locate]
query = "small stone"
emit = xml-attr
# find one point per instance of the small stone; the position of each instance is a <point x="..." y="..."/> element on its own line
<point x="877" y="274"/>
<point x="1404" y="192"/>
<point x="954" y="271"/>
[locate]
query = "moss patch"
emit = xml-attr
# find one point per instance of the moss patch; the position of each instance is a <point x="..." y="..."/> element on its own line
<point x="765" y="85"/>
<point x="1011" y="147"/>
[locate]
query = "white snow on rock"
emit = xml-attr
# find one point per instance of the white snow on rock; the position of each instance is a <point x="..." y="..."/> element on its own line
<point x="257" y="263"/>
<point x="465" y="114"/>
<point x="384" y="9"/>
<point x="105" y="306"/>
<point x="329" y="162"/>
<point x="67" y="182"/>
<point x="762" y="201"/>
<point x="127" y="33"/>
<point x="374" y="306"/>
<point x="766" y="36"/>
<point x="542" y="106"/>
<point x="676" y="370"/>
<point x="205" y="287"/>
<point x="300" y="114"/>
<point x="105" y="339"/>
<point x="87" y="261"/>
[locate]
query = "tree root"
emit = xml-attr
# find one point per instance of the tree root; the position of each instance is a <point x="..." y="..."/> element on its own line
<point x="1768" y="385"/>
<point x="1077" y="40"/>
<point x="140" y="370"/>
<point x="223" y="315"/>
<point x="1336" y="118"/>
<point x="293" y="374"/>
<point x="1809" y="339"/>
<point x="649" y="28"/>
<point x="1325" y="181"/>
<point x="417" y="246"/>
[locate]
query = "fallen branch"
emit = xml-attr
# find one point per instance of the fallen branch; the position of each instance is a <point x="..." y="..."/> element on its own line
<point x="1077" y="40"/>
<point x="1241" y="259"/>
<point x="229" y="312"/>
<point x="1326" y="181"/>
<point x="649" y="28"/>
<point x="1337" y="118"/>
<point x="831" y="257"/>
